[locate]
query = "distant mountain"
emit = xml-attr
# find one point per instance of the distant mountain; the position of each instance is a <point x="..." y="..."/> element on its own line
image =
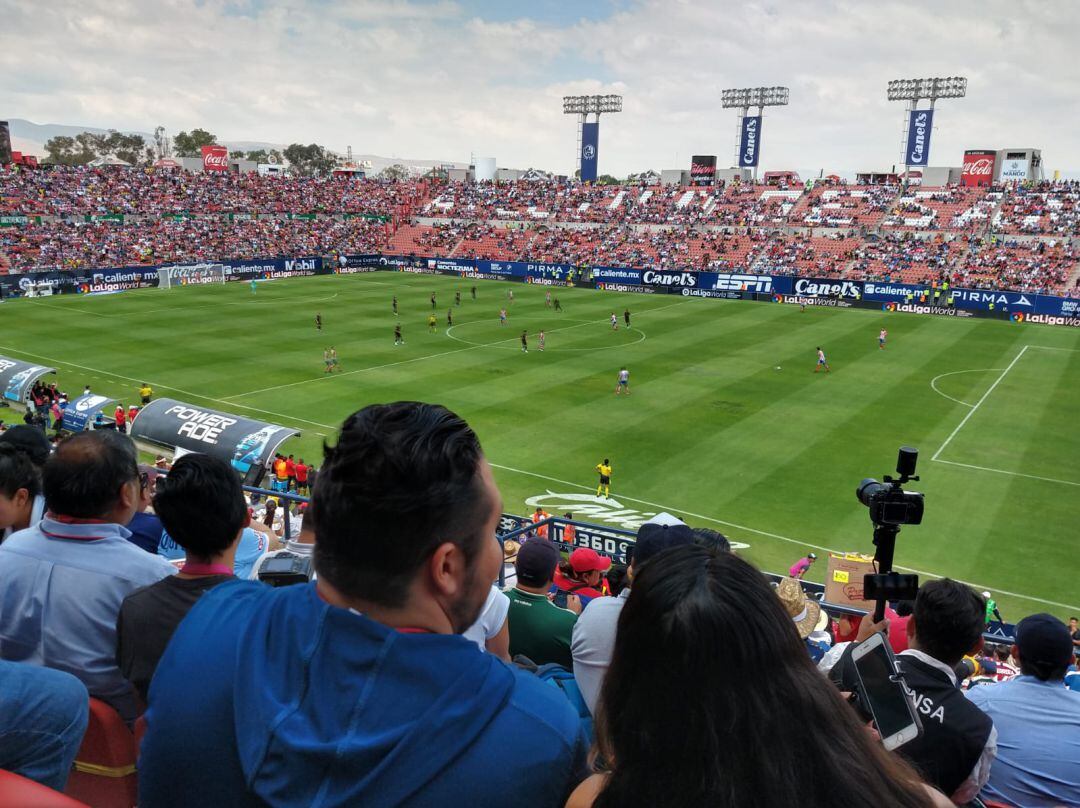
<point x="30" y="138"/>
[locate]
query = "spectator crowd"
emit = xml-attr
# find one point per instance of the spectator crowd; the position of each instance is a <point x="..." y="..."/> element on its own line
<point x="399" y="675"/>
<point x="1004" y="237"/>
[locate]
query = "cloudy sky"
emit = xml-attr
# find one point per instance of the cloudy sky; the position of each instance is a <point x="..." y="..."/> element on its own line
<point x="445" y="79"/>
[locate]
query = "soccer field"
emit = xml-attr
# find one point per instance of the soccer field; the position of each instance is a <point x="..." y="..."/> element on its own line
<point x="713" y="431"/>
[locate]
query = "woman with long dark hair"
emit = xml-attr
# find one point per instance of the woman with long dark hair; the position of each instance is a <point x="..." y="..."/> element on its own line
<point x="711" y="700"/>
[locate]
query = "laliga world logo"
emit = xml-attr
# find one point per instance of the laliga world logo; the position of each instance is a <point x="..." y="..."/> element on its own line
<point x="1017" y="317"/>
<point x="889" y="307"/>
<point x="778" y="299"/>
<point x="589" y="152"/>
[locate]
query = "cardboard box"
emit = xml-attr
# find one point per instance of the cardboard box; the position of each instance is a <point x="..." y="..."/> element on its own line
<point x="844" y="580"/>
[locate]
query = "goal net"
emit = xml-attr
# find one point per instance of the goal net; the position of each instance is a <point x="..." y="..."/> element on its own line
<point x="187" y="274"/>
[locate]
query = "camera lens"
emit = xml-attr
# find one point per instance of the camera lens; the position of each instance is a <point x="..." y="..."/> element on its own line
<point x="867" y="490"/>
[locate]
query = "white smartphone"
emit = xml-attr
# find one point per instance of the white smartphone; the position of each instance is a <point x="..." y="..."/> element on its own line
<point x="882" y="692"/>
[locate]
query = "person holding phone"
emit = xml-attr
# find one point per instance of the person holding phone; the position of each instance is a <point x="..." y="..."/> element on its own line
<point x="580" y="575"/>
<point x="707" y="659"/>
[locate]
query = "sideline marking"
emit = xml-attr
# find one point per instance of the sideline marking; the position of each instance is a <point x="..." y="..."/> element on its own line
<point x="799" y="542"/>
<point x="1010" y="473"/>
<point x="979" y="403"/>
<point x="953" y="373"/>
<point x="75" y="309"/>
<point x="110" y="376"/>
<point x="327" y="376"/>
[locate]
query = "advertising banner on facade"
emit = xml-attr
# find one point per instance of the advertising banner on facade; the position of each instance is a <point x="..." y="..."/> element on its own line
<point x="978" y="168"/>
<point x="243" y="442"/>
<point x="590" y="151"/>
<point x="1014" y="168"/>
<point x="215" y="158"/>
<point x="353" y="264"/>
<point x="81" y="411"/>
<point x="703" y="169"/>
<point x="920" y="125"/>
<point x="17" y="377"/>
<point x="750" y="141"/>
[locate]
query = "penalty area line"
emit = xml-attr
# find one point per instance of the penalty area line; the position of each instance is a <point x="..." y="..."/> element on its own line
<point x="788" y="539"/>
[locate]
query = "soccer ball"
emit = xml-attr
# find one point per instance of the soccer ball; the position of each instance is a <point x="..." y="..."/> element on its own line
<point x="778" y="367"/>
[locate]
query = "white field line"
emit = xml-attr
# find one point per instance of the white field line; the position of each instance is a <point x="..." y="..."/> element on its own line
<point x="1010" y="473"/>
<point x="74" y="309"/>
<point x="328" y="376"/>
<point x="979" y="403"/>
<point x="109" y="375"/>
<point x="933" y="381"/>
<point x="789" y="540"/>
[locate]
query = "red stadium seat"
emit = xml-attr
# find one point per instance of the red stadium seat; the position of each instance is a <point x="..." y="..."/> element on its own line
<point x="16" y="790"/>
<point x="104" y="773"/>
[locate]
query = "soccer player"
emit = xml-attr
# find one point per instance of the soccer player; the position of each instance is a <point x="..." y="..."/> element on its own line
<point x="252" y="286"/>
<point x="614" y="322"/>
<point x="433" y="301"/>
<point x="334" y="359"/>
<point x="146" y="392"/>
<point x="474" y="293"/>
<point x="432" y="323"/>
<point x="457" y="298"/>
<point x="821" y="361"/>
<point x="318" y="321"/>
<point x="558" y="305"/>
<point x="547" y="300"/>
<point x="449" y="318"/>
<point x="802" y="305"/>
<point x="540" y="339"/>
<point x="623" y="385"/>
<point x="604" y="470"/>
<point x="394" y="304"/>
<point x="626" y="316"/>
<point x="524" y="341"/>
<point x="882" y="334"/>
<point x="502" y="316"/>
<point x="510" y="295"/>
<point x="326" y="361"/>
<point x="398" y="339"/>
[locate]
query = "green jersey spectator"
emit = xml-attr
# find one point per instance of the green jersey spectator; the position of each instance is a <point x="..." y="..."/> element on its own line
<point x="539" y="629"/>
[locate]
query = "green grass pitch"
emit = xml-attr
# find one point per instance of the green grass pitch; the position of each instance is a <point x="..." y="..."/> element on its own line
<point x="712" y="431"/>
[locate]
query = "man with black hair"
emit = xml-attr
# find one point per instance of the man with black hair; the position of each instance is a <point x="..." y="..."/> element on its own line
<point x="958" y="743"/>
<point x="201" y="506"/>
<point x="1037" y="719"/>
<point x="65" y="578"/>
<point x="21" y="502"/>
<point x="357" y="689"/>
<point x="539" y="629"/>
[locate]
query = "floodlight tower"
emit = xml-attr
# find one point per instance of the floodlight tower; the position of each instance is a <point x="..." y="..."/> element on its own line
<point x="588" y="137"/>
<point x="747" y="127"/>
<point x="918" y="124"/>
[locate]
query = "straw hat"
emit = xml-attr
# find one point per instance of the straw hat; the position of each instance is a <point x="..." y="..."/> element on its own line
<point x="804" y="612"/>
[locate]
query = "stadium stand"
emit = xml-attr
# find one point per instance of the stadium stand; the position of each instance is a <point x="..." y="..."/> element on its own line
<point x="831" y="230"/>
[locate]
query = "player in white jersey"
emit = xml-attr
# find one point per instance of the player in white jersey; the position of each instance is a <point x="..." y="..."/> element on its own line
<point x="881" y="338"/>
<point x="614" y="322"/>
<point x="623" y="385"/>
<point x="821" y="361"/>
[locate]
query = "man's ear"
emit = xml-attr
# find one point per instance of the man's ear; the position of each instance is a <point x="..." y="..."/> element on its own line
<point x="446" y="569"/>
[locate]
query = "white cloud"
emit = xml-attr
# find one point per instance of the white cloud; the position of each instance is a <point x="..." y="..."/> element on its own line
<point x="433" y="80"/>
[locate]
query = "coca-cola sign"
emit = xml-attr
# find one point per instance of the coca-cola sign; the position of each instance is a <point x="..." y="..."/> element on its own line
<point x="215" y="158"/>
<point x="978" y="167"/>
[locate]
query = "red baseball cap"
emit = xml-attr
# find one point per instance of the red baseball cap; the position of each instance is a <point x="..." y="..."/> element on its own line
<point x="584" y="559"/>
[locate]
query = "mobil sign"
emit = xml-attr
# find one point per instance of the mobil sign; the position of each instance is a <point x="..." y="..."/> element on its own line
<point x="978" y="167"/>
<point x="215" y="158"/>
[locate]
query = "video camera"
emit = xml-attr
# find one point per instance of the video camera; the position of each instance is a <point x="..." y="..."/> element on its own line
<point x="888" y="502"/>
<point x="890" y="507"/>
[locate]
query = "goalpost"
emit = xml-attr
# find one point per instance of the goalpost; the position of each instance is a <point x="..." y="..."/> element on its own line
<point x="187" y="274"/>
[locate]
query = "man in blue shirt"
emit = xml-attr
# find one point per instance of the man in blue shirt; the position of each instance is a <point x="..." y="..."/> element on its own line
<point x="1037" y="720"/>
<point x="65" y="578"/>
<point x="358" y="689"/>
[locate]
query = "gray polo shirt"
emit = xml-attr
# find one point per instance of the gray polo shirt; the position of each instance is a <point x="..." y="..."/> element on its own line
<point x="593" y="642"/>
